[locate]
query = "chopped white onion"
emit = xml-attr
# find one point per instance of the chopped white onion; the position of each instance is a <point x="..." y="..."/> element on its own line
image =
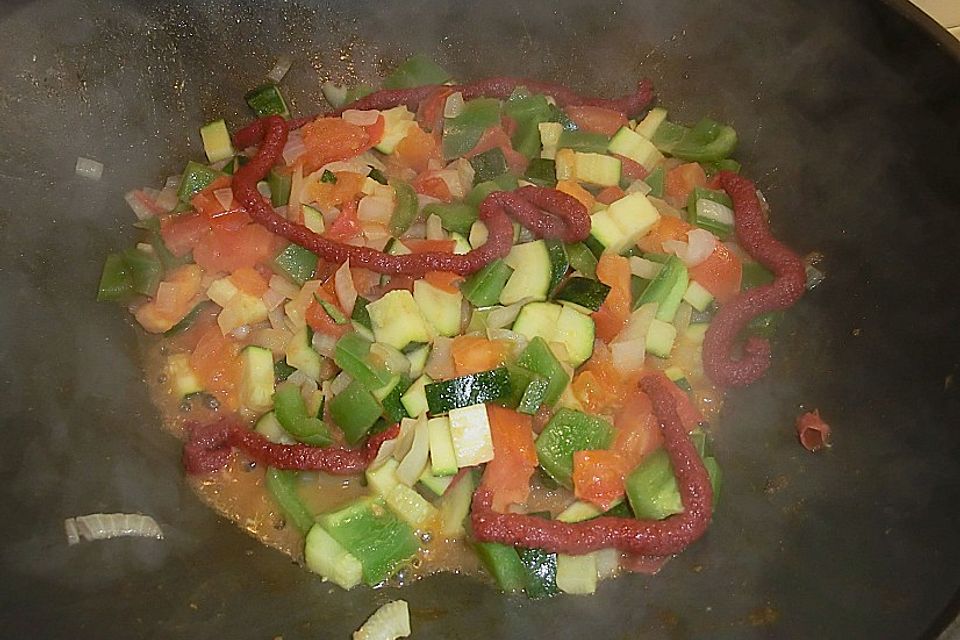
<point x="518" y="340"/>
<point x="350" y="166"/>
<point x="389" y="622"/>
<point x="638" y="323"/>
<point x="272" y="299"/>
<point x="363" y="118"/>
<point x="297" y="378"/>
<point x="628" y="356"/>
<point x="375" y="209"/>
<point x="392" y="358"/>
<point x="241" y="332"/>
<point x="638" y="186"/>
<point x="700" y="244"/>
<point x="173" y="182"/>
<point x="666" y="209"/>
<point x="500" y="317"/>
<point x="224" y="197"/>
<point x="87" y="168"/>
<point x="273" y="339"/>
<point x="418" y="230"/>
<point x="375" y="235"/>
<point x="263" y="188"/>
<point x="345" y="288"/>
<point x="451" y="177"/>
<point x="280" y="69"/>
<point x="440" y="363"/>
<point x="408" y="428"/>
<point x="341" y="382"/>
<point x="424" y="200"/>
<point x="643" y="268"/>
<point x="138" y="204"/>
<point x="815" y="275"/>
<point x="103" y="526"/>
<point x="466" y="173"/>
<point x="453" y="106"/>
<point x="323" y="344"/>
<point x="294" y="147"/>
<point x="415" y="460"/>
<point x="167" y="199"/>
<point x="682" y="318"/>
<point x="277" y="318"/>
<point x="283" y="286"/>
<point x="435" y="228"/>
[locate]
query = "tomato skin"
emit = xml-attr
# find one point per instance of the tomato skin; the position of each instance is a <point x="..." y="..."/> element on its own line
<point x="375" y="131"/>
<point x="638" y="433"/>
<point x="598" y="477"/>
<point x="430" y="111"/>
<point x="610" y="195"/>
<point x="597" y="119"/>
<point x="515" y="457"/>
<point x="631" y="169"/>
<point x="720" y="274"/>
<point x="443" y="280"/>
<point x="432" y="185"/>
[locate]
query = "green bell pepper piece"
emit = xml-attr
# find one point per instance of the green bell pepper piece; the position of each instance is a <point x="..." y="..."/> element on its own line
<point x="291" y="412"/>
<point x="416" y="71"/>
<point x="707" y="141"/>
<point x="116" y="281"/>
<point x="295" y="263"/>
<point x="405" y="209"/>
<point x="355" y="410"/>
<point x="282" y="486"/>
<point x="462" y="133"/>
<point x="456" y="216"/>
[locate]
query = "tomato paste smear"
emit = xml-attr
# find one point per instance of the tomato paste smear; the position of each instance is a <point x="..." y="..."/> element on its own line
<point x="561" y="216"/>
<point x="645" y="537"/>
<point x="753" y="234"/>
<point x="210" y="446"/>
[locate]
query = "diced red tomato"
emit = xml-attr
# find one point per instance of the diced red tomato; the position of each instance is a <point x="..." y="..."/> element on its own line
<point x="631" y="169"/>
<point x="375" y="130"/>
<point x="249" y="280"/>
<point x="432" y="185"/>
<point x="637" y="430"/>
<point x="598" y="477"/>
<point x="507" y="476"/>
<point x="472" y="354"/>
<point x="668" y="228"/>
<point x="496" y="137"/>
<point x="687" y="411"/>
<point x="345" y="226"/>
<point x="333" y="194"/>
<point x="573" y="188"/>
<point x="613" y="271"/>
<point x="182" y="232"/>
<point x="681" y="180"/>
<point x="227" y="250"/>
<point x="216" y="361"/>
<point x="174" y="299"/>
<point x="416" y="150"/>
<point x="430" y="110"/>
<point x="597" y="119"/>
<point x="319" y="320"/>
<point x="444" y="280"/>
<point x="720" y="274"/>
<point x="598" y="386"/>
<point x="331" y="139"/>
<point x="610" y="195"/>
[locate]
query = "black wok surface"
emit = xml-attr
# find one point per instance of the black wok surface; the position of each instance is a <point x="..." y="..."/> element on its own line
<point x="849" y="115"/>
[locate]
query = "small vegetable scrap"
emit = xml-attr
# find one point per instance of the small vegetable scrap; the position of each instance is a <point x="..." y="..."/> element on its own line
<point x="389" y="622"/>
<point x="475" y="327"/>
<point x="814" y="433"/>
<point x="103" y="526"/>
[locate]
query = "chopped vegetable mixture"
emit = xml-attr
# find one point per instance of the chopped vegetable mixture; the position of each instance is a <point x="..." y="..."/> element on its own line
<point x="476" y="327"/>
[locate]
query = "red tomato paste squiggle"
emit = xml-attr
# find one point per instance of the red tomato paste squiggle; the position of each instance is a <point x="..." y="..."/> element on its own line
<point x="646" y="537"/>
<point x="562" y="217"/>
<point x="753" y="234"/>
<point x="210" y="446"/>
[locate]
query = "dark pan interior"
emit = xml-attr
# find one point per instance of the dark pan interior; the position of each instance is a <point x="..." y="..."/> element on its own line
<point x="849" y="114"/>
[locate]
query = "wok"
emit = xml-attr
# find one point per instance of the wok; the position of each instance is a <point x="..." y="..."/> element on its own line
<point x="848" y="114"/>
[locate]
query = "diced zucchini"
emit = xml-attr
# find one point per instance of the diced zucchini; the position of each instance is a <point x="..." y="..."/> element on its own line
<point x="183" y="379"/>
<point x="556" y="323"/>
<point x="696" y="332"/>
<point x="660" y="338"/>
<point x="582" y="259"/>
<point x="598" y="169"/>
<point x="418" y="359"/>
<point x="532" y="273"/>
<point x="440" y="308"/>
<point x="549" y="138"/>
<point x="313" y="219"/>
<point x="541" y="569"/>
<point x="605" y="231"/>
<point x="436" y="484"/>
<point x="270" y="428"/>
<point x="330" y="559"/>
<point x="410" y="506"/>
<point x="295" y="263"/>
<point x="467" y="390"/>
<point x="470" y="431"/>
<point x="460" y="244"/>
<point x="585" y="294"/>
<point x="397" y="320"/>
<point x="567" y="432"/>
<point x="527" y="390"/>
<point x="651" y="122"/>
<point x="242" y="309"/>
<point x="443" y="457"/>
<point x="378" y="539"/>
<point x="698" y="297"/>
<point x="503" y="563"/>
<point x="627" y="142"/>
<point x="301" y="355"/>
<point x="559" y="262"/>
<point x="538" y="319"/>
<point x="414" y="399"/>
<point x="635" y="215"/>
<point x="216" y="141"/>
<point x="266" y="100"/>
<point x="578" y="511"/>
<point x="384" y="478"/>
<point x="397" y="123"/>
<point x="256" y="379"/>
<point x="577" y="574"/>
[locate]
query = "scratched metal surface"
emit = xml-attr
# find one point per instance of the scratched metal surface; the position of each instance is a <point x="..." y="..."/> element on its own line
<point x="847" y="113"/>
